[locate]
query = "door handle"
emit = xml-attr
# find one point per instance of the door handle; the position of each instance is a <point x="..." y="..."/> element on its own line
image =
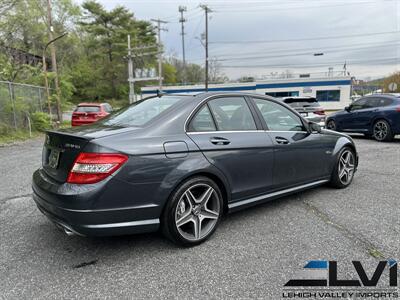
<point x="219" y="141"/>
<point x="281" y="140"/>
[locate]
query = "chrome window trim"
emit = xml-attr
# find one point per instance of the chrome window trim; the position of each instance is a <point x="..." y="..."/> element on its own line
<point x="273" y="194"/>
<point x="233" y="131"/>
<point x="205" y="100"/>
<point x="244" y="131"/>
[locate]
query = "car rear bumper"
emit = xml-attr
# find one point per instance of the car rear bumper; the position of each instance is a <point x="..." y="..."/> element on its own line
<point x="80" y="122"/>
<point x="90" y="221"/>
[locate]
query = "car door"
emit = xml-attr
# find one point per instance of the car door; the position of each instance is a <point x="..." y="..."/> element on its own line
<point x="349" y="120"/>
<point x="227" y="131"/>
<point x="365" y="115"/>
<point x="299" y="155"/>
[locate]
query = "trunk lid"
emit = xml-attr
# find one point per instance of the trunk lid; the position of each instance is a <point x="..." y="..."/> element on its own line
<point x="59" y="153"/>
<point x="62" y="147"/>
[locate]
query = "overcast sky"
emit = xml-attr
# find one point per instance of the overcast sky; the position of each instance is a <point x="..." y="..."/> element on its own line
<point x="255" y="38"/>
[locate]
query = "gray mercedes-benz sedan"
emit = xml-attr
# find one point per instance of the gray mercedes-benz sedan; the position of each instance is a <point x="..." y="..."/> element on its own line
<point x="178" y="163"/>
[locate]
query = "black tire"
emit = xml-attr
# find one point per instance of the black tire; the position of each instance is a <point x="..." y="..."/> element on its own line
<point x="382" y="132"/>
<point x="331" y="125"/>
<point x="170" y="218"/>
<point x="336" y="180"/>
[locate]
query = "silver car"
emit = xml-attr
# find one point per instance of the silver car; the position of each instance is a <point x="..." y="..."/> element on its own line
<point x="308" y="107"/>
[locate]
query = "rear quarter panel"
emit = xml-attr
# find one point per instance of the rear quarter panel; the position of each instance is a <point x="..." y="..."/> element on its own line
<point x="151" y="174"/>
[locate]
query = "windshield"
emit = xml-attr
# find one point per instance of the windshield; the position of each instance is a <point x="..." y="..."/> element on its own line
<point x="140" y="113"/>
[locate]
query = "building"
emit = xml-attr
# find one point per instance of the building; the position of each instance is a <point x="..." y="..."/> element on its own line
<point x="333" y="92"/>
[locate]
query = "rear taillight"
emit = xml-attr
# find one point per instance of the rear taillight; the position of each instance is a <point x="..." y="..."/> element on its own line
<point x="94" y="167"/>
<point x="398" y="108"/>
<point x="320" y="112"/>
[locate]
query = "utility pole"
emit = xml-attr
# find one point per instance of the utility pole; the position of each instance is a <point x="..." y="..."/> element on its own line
<point x="45" y="70"/>
<point x="159" y="28"/>
<point x="206" y="11"/>
<point x="130" y="73"/>
<point x="54" y="61"/>
<point x="182" y="20"/>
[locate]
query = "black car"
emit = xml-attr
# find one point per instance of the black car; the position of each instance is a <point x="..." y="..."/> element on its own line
<point x="178" y="163"/>
<point x="376" y="116"/>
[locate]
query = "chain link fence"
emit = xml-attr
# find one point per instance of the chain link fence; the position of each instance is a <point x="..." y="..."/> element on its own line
<point x="17" y="102"/>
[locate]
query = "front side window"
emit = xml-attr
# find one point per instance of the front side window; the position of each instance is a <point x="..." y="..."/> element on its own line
<point x="142" y="112"/>
<point x="278" y="117"/>
<point x="359" y="104"/>
<point x="329" y="95"/>
<point x="202" y="121"/>
<point x="232" y="113"/>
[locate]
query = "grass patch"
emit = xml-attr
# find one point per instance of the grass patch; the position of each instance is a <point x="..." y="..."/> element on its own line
<point x="17" y="136"/>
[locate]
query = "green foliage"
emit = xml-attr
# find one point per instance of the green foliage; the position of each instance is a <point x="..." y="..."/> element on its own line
<point x="169" y="73"/>
<point x="106" y="42"/>
<point x="90" y="59"/>
<point x="40" y="121"/>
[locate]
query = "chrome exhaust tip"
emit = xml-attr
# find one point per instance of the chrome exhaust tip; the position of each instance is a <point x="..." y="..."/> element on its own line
<point x="68" y="232"/>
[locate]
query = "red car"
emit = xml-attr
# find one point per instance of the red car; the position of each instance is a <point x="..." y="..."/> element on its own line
<point x="87" y="113"/>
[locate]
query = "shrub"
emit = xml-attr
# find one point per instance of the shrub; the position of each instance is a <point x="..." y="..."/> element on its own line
<point x="41" y="121"/>
<point x="5" y="129"/>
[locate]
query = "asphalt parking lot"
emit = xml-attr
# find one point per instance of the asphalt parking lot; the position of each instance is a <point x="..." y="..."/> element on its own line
<point x="253" y="253"/>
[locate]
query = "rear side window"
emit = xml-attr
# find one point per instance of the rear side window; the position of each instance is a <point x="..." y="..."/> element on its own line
<point x="232" y="113"/>
<point x="87" y="109"/>
<point x="142" y="112"/>
<point x="380" y="102"/>
<point x="202" y="121"/>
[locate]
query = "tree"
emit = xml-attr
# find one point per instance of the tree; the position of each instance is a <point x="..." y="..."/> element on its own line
<point x="214" y="72"/>
<point x="193" y="73"/>
<point x="106" y="41"/>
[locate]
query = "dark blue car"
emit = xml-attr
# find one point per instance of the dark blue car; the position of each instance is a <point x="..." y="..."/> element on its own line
<point x="376" y="116"/>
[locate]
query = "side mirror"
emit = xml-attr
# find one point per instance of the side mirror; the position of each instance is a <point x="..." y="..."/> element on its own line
<point x="347" y="108"/>
<point x="314" y="127"/>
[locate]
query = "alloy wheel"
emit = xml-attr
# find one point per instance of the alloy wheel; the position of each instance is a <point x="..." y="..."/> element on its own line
<point x="380" y="130"/>
<point x="346" y="167"/>
<point x="331" y="125"/>
<point x="197" y="212"/>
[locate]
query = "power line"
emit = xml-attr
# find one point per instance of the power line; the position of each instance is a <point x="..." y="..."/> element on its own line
<point x="304" y="39"/>
<point x="266" y="9"/>
<point x="304" y="53"/>
<point x="349" y="62"/>
<point x="280" y="51"/>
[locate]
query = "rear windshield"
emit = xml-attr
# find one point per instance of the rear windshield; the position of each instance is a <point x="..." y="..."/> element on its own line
<point x="140" y="113"/>
<point x="302" y="102"/>
<point x="87" y="109"/>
